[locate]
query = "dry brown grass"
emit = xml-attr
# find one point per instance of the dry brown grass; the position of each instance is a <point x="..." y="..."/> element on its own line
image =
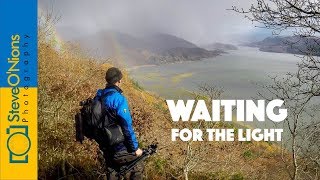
<point x="66" y="78"/>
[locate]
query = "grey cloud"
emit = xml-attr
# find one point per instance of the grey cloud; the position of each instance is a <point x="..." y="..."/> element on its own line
<point x="203" y="21"/>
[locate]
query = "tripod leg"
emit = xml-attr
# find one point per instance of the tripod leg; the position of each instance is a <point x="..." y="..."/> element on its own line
<point x="137" y="172"/>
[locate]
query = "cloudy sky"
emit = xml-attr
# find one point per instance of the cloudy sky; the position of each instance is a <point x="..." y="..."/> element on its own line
<point x="200" y="22"/>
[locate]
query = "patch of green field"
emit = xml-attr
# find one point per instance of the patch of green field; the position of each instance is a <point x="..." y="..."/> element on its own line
<point x="179" y="77"/>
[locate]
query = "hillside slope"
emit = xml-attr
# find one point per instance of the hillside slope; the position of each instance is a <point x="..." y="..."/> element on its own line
<point x="65" y="78"/>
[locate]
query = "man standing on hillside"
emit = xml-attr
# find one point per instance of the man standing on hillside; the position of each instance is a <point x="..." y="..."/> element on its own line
<point x="127" y="151"/>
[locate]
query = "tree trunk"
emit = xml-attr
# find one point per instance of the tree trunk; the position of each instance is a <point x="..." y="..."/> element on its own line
<point x="294" y="158"/>
<point x="185" y="172"/>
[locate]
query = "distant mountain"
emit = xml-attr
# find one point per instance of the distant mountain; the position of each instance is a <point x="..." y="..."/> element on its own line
<point x="220" y="46"/>
<point x="151" y="49"/>
<point x="180" y="54"/>
<point x="163" y="42"/>
<point x="289" y="44"/>
<point x="106" y="44"/>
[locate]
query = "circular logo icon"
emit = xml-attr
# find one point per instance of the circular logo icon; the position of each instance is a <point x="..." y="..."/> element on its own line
<point x="18" y="144"/>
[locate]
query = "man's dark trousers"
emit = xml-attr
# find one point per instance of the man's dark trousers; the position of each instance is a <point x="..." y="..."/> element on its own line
<point x="121" y="158"/>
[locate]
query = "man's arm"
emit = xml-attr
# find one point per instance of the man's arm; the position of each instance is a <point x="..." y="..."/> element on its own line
<point x="126" y="124"/>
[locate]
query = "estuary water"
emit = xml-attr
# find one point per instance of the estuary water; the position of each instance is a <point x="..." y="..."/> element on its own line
<point x="236" y="72"/>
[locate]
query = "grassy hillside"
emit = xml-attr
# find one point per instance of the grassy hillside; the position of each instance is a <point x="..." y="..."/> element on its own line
<point x="67" y="77"/>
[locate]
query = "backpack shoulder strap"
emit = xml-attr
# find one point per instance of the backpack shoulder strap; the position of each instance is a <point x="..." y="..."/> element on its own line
<point x="103" y="110"/>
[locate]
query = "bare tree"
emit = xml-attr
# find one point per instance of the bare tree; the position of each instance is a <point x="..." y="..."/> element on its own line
<point x="46" y="24"/>
<point x="194" y="152"/>
<point x="300" y="90"/>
